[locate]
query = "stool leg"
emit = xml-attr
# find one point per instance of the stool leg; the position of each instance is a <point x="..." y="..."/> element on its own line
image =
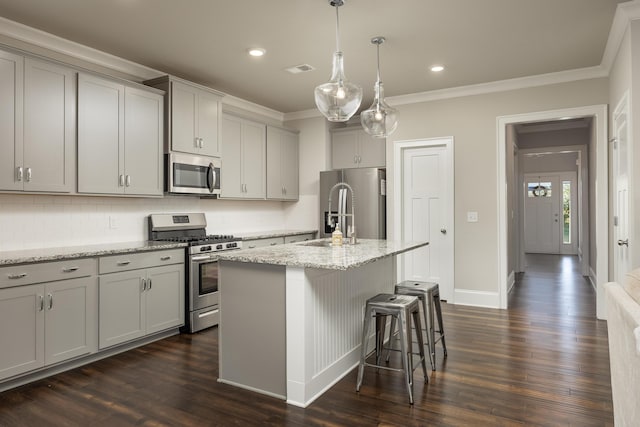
<point x="436" y="301"/>
<point x="418" y="327"/>
<point x="381" y="323"/>
<point x="425" y="313"/>
<point x="405" y="346"/>
<point x="391" y="333"/>
<point x="431" y="328"/>
<point x="365" y="343"/>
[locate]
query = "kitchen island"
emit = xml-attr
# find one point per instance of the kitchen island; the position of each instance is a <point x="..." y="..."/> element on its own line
<point x="291" y="315"/>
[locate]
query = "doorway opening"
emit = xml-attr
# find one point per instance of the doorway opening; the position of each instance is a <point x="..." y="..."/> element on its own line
<point x="583" y="223"/>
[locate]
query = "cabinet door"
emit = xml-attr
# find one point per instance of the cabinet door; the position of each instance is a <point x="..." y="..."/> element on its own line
<point x="344" y="149"/>
<point x="275" y="186"/>
<point x="371" y="151"/>
<point x="231" y="179"/>
<point x="209" y="123"/>
<point x="143" y="142"/>
<point x="290" y="169"/>
<point x="11" y="102"/>
<point x="121" y="308"/>
<point x="49" y="127"/>
<point x="100" y="135"/>
<point x="165" y="297"/>
<point x="70" y="317"/>
<point x="21" y="329"/>
<point x="184" y="119"/>
<point x="254" y="139"/>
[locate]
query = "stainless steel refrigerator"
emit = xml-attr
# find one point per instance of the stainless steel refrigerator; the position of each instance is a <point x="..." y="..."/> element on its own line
<point x="370" y="192"/>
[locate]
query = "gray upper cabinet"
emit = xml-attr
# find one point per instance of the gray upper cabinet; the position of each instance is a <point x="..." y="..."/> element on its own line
<point x="244" y="161"/>
<point x="119" y="138"/>
<point x="354" y="148"/>
<point x="282" y="164"/>
<point x="192" y="117"/>
<point x="37" y="125"/>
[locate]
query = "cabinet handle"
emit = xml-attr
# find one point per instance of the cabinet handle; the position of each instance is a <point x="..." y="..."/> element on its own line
<point x="359" y="159"/>
<point x="19" y="173"/>
<point x="41" y="302"/>
<point x="121" y="181"/>
<point x="121" y="263"/>
<point x="17" y="276"/>
<point x="355" y="159"/>
<point x="28" y="174"/>
<point x="273" y="243"/>
<point x="70" y="269"/>
<point x="252" y="246"/>
<point x="201" y="143"/>
<point x="165" y="258"/>
<point x="149" y="284"/>
<point x="144" y="284"/>
<point x="197" y="142"/>
<point x="127" y="180"/>
<point x="50" y="301"/>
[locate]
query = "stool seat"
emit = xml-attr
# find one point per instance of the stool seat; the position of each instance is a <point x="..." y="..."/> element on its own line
<point x="429" y="295"/>
<point x="401" y="308"/>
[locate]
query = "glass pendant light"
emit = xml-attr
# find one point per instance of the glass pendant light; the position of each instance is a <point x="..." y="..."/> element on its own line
<point x="380" y="120"/>
<point x="338" y="99"/>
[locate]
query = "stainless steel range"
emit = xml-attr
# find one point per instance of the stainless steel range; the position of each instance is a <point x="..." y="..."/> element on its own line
<point x="202" y="301"/>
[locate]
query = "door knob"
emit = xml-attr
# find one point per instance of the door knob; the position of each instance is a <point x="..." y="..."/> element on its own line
<point x="443" y="230"/>
<point x="624" y="242"/>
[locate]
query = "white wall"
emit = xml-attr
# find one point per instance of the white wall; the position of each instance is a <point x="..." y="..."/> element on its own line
<point x="38" y="221"/>
<point x="551" y="162"/>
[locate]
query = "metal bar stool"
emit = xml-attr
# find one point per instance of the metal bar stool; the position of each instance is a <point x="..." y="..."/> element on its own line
<point x="402" y="308"/>
<point x="429" y="295"/>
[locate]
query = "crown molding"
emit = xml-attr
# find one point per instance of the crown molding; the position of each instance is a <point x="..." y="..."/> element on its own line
<point x="57" y="44"/>
<point x="625" y="13"/>
<point x="501" y="85"/>
<point x="305" y="114"/>
<point x="252" y="107"/>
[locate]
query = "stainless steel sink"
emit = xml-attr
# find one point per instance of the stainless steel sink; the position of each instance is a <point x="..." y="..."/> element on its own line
<point x="322" y="243"/>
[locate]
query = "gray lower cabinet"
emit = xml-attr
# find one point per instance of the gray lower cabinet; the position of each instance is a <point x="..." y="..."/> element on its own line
<point x="120" y="134"/>
<point x="45" y="324"/>
<point x="244" y="160"/>
<point x="143" y="301"/>
<point x="37" y="125"/>
<point x="273" y="241"/>
<point x="282" y="164"/>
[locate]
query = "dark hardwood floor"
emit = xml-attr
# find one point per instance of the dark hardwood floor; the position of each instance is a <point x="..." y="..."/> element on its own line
<point x="542" y="362"/>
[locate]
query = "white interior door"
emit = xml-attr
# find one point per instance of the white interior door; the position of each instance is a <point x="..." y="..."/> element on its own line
<point x="427" y="213"/>
<point x="621" y="155"/>
<point x="542" y="214"/>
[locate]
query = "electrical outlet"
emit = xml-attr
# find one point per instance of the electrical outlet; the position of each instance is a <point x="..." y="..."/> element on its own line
<point x="472" y="216"/>
<point x="113" y="222"/>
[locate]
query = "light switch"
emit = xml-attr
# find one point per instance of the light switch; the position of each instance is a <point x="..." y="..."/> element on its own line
<point x="472" y="216"/>
<point x="113" y="222"/>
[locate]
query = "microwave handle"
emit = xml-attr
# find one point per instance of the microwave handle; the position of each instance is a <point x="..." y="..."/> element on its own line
<point x="211" y="178"/>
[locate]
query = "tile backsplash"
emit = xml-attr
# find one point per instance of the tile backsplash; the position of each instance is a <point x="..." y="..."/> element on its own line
<point x="41" y="221"/>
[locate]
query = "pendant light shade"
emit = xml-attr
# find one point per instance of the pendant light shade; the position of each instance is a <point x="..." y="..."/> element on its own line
<point x="338" y="99"/>
<point x="380" y="120"/>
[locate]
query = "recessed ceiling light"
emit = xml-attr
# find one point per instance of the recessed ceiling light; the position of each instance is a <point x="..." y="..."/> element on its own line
<point x="437" y="68"/>
<point x="256" y="51"/>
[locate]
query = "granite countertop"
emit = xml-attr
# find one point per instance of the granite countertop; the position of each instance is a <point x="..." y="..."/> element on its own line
<point x="272" y="233"/>
<point x="311" y="255"/>
<point x="73" y="252"/>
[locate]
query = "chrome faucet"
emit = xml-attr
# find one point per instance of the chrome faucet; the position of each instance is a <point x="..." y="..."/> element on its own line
<point x="342" y="215"/>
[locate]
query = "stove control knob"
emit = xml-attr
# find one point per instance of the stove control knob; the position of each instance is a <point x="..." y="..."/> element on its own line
<point x="219" y="247"/>
<point x="205" y="249"/>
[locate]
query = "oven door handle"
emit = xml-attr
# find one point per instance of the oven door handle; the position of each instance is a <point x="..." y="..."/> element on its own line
<point x="201" y="258"/>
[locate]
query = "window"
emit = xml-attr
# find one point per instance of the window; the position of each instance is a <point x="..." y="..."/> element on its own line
<point x="539" y="189"/>
<point x="566" y="212"/>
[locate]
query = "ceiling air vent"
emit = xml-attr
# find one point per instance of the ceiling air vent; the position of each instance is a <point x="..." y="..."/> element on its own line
<point x="302" y="68"/>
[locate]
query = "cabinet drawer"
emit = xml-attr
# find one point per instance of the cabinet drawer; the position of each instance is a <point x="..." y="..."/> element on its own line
<point x="259" y="243"/>
<point x="124" y="262"/>
<point x="299" y="238"/>
<point x="27" y="274"/>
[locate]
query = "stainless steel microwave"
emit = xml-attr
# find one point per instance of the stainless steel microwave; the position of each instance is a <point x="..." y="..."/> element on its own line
<point x="191" y="174"/>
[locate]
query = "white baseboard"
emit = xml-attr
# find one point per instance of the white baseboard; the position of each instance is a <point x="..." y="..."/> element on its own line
<point x="477" y="298"/>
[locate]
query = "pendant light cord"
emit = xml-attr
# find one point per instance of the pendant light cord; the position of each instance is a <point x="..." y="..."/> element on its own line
<point x="378" y="56"/>
<point x="337" y="29"/>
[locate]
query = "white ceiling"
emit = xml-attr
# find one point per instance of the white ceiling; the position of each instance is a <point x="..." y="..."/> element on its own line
<point x="205" y="41"/>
